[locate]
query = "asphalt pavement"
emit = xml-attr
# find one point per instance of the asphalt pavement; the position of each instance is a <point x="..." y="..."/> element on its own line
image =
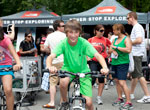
<point x="109" y="96"/>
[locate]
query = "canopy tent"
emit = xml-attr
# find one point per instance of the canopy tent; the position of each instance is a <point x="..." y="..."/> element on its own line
<point x="33" y="18"/>
<point x="107" y="12"/>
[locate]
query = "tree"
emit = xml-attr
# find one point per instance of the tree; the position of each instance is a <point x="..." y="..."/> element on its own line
<point x="60" y="7"/>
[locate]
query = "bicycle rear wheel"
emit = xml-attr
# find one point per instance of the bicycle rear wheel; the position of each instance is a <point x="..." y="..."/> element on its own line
<point x="2" y="99"/>
<point x="2" y="103"/>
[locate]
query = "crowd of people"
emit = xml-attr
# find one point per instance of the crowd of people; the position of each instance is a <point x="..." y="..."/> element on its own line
<point x="64" y="49"/>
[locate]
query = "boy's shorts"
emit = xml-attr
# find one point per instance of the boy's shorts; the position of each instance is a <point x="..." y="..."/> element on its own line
<point x="55" y="79"/>
<point x="85" y="85"/>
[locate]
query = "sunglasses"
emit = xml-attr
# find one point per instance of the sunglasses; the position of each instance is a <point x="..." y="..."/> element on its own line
<point x="128" y="18"/>
<point x="62" y="26"/>
<point x="101" y="30"/>
<point x="29" y="36"/>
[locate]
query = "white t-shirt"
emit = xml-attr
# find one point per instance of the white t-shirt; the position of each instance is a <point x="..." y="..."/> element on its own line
<point x="52" y="40"/>
<point x="113" y="37"/>
<point x="138" y="31"/>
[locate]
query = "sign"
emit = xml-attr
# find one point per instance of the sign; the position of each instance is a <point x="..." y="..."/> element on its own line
<point x="106" y="9"/>
<point x="100" y="18"/>
<point x="28" y="21"/>
<point x="31" y="14"/>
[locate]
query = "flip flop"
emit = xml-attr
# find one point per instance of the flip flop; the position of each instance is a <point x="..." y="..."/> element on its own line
<point x="48" y="106"/>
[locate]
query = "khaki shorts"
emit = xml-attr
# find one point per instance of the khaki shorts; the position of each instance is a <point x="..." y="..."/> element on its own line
<point x="137" y="73"/>
<point x="54" y="79"/>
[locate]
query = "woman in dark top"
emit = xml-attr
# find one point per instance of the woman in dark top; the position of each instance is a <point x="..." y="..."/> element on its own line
<point x="27" y="46"/>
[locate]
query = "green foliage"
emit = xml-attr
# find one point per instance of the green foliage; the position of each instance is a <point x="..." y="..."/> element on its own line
<point x="60" y="7"/>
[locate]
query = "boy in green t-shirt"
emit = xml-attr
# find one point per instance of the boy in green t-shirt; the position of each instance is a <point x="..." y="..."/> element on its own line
<point x="75" y="49"/>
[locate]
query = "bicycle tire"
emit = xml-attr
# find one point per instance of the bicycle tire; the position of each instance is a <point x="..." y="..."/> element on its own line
<point x="18" y="96"/>
<point x="18" y="108"/>
<point x="77" y="109"/>
<point x="3" y="103"/>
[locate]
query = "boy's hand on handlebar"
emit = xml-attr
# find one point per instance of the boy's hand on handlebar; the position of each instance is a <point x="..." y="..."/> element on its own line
<point x="52" y="69"/>
<point x="104" y="71"/>
<point x="17" y="67"/>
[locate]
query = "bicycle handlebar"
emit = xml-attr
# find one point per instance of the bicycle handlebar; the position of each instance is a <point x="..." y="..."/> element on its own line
<point x="145" y="68"/>
<point x="81" y="75"/>
<point x="6" y="69"/>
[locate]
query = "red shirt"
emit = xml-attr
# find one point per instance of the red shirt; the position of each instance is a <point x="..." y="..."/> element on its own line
<point x="100" y="44"/>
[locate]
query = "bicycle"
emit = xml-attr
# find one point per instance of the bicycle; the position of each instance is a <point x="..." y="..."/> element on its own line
<point x="146" y="72"/>
<point x="76" y="101"/>
<point x="17" y="105"/>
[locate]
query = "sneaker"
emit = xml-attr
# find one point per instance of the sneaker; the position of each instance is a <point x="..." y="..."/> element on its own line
<point x="144" y="99"/>
<point x="64" y="106"/>
<point x="126" y="106"/>
<point x="131" y="96"/>
<point x="95" y="85"/>
<point x="118" y="102"/>
<point x="111" y="83"/>
<point x="99" y="100"/>
<point x="106" y="87"/>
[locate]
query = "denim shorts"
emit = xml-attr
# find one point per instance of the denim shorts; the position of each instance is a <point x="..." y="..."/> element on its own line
<point x="120" y="71"/>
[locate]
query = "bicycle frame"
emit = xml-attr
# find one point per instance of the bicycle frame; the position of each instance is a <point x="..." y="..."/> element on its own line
<point x="76" y="96"/>
<point x="2" y="98"/>
<point x="76" y="101"/>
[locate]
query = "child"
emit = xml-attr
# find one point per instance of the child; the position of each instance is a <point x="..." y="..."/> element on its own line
<point x="75" y="49"/>
<point x="6" y="61"/>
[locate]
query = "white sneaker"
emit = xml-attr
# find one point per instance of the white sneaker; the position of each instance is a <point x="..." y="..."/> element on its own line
<point x="95" y="85"/>
<point x="99" y="100"/>
<point x="131" y="96"/>
<point x="106" y="87"/>
<point x="111" y="83"/>
<point x="144" y="99"/>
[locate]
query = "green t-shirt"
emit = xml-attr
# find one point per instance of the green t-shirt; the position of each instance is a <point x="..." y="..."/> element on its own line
<point x="75" y="56"/>
<point x="123" y="58"/>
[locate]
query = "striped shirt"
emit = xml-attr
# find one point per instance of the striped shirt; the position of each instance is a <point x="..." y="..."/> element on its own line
<point x="138" y="31"/>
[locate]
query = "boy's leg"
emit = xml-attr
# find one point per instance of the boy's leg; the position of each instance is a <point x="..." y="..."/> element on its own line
<point x="64" y="87"/>
<point x="7" y="84"/>
<point x="89" y="103"/>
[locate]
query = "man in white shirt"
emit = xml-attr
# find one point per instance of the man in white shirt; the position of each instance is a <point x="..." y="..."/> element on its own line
<point x="51" y="41"/>
<point x="138" y="46"/>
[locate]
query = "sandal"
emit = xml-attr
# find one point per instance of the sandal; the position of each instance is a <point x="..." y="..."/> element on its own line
<point x="48" y="106"/>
